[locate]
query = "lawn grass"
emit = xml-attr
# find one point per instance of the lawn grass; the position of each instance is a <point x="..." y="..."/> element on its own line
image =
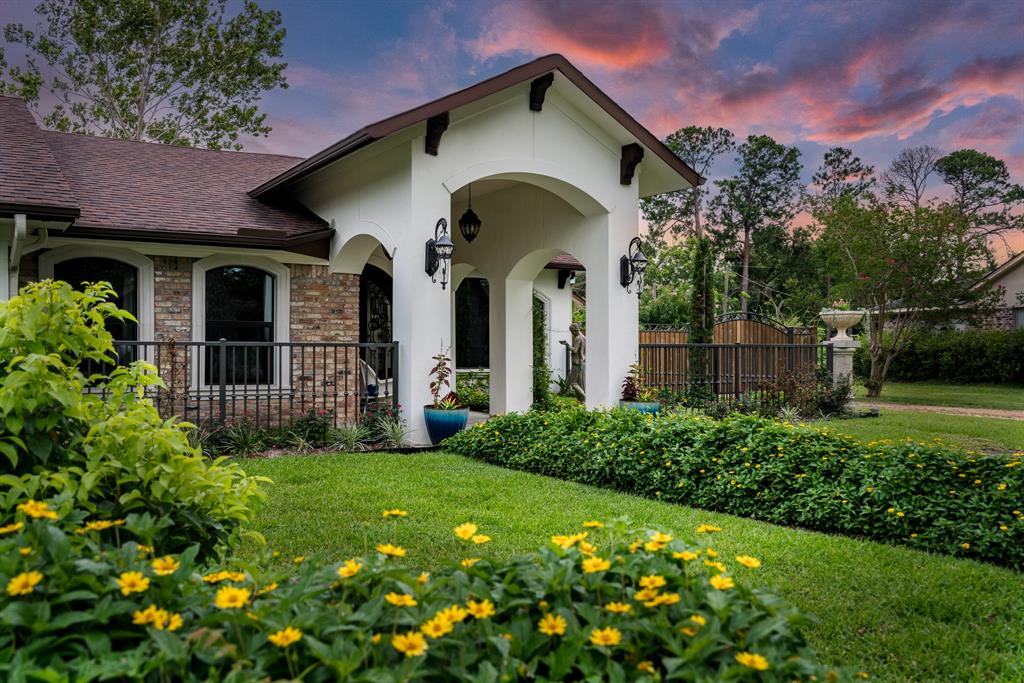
<point x="1004" y="396"/>
<point x="983" y="434"/>
<point x="900" y="614"/>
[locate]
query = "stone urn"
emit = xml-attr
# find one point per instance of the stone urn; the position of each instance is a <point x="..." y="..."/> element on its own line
<point x="841" y="321"/>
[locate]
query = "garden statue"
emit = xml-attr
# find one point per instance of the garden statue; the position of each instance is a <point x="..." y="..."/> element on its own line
<point x="577" y="362"/>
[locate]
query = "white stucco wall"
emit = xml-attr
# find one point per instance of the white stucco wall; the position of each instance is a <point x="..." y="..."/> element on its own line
<point x="566" y="197"/>
<point x="1012" y="284"/>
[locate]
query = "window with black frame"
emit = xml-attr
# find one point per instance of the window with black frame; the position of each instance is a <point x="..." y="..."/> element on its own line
<point x="124" y="278"/>
<point x="240" y="308"/>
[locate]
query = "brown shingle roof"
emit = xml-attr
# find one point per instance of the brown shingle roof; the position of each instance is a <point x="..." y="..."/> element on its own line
<point x="565" y="261"/>
<point x="31" y="181"/>
<point x="188" y="194"/>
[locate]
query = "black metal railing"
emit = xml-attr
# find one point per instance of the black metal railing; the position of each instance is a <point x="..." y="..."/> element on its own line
<point x="268" y="383"/>
<point x="729" y="370"/>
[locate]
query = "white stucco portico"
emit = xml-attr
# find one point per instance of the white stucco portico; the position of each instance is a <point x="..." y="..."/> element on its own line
<point x="555" y="166"/>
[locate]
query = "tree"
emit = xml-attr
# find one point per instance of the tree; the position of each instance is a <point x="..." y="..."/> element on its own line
<point x="909" y="267"/>
<point x="841" y="174"/>
<point x="908" y="174"/>
<point x="983" y="193"/>
<point x="677" y="213"/>
<point x="172" y="71"/>
<point x="761" y="196"/>
<point x="663" y="300"/>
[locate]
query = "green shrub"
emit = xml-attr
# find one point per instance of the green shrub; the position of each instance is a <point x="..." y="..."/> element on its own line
<point x="924" y="496"/>
<point x="970" y="357"/>
<point x="474" y="390"/>
<point x="100" y="604"/>
<point x="108" y="449"/>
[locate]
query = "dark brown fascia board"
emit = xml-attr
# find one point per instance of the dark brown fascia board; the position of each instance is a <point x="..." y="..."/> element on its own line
<point x="41" y="211"/>
<point x="495" y="84"/>
<point x="297" y="243"/>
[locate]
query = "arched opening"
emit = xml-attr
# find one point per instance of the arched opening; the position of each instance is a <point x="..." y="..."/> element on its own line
<point x="375" y="322"/>
<point x="123" y="277"/>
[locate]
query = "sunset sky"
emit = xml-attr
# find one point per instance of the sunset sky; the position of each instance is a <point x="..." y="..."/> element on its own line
<point x="876" y="76"/>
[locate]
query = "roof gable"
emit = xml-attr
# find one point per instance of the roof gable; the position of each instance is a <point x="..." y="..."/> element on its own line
<point x="555" y="62"/>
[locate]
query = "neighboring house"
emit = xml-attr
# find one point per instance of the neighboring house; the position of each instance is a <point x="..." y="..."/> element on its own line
<point x="298" y="263"/>
<point x="1009" y="277"/>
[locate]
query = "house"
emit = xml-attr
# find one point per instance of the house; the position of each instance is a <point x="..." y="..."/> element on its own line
<point x="1009" y="277"/>
<point x="322" y="274"/>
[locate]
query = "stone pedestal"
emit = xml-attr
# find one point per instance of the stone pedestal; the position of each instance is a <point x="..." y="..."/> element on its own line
<point x="842" y="359"/>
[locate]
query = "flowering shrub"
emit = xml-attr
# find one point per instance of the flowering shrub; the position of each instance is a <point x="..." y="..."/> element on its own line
<point x="93" y="599"/>
<point x="924" y="496"/>
<point x="108" y="450"/>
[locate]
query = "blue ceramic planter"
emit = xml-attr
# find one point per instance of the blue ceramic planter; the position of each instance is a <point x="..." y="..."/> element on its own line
<point x="444" y="423"/>
<point x="642" y="406"/>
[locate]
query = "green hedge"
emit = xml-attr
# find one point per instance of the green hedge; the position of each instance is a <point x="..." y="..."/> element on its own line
<point x="924" y="496"/>
<point x="970" y="357"/>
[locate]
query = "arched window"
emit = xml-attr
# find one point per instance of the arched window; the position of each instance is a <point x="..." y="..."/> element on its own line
<point x="241" y="300"/>
<point x="123" y="277"/>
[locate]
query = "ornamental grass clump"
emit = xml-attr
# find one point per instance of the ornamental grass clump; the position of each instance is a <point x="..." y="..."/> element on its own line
<point x="602" y="602"/>
<point x="926" y="496"/>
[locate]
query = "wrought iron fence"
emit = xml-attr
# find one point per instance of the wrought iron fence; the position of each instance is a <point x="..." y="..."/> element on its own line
<point x="729" y="370"/>
<point x="268" y="383"/>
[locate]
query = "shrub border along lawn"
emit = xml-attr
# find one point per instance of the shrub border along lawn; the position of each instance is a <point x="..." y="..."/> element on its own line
<point x="923" y="496"/>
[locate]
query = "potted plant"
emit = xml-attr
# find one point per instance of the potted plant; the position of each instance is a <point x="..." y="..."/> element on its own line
<point x="842" y="317"/>
<point x="446" y="415"/>
<point x="635" y="394"/>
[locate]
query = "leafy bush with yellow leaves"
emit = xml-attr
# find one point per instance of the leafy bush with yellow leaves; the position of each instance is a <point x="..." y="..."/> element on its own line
<point x="925" y="496"/>
<point x="93" y="599"/>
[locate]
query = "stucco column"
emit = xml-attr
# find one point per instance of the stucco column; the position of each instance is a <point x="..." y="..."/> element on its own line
<point x="842" y="360"/>
<point x="421" y="310"/>
<point x="511" y="332"/>
<point x="611" y="314"/>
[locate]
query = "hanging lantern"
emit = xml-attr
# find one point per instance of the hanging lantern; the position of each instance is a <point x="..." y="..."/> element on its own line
<point x="469" y="224"/>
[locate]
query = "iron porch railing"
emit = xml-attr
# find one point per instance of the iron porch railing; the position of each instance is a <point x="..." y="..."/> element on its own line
<point x="268" y="383"/>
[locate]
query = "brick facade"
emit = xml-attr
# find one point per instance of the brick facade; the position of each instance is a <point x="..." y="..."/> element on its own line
<point x="172" y="298"/>
<point x="1002" y="319"/>
<point x="324" y="306"/>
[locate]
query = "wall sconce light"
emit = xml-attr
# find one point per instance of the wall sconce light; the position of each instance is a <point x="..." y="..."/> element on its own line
<point x="439" y="253"/>
<point x="632" y="266"/>
<point x="469" y="224"/>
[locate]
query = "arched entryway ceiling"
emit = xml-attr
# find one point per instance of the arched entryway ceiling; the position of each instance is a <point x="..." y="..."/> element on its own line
<point x="558" y="180"/>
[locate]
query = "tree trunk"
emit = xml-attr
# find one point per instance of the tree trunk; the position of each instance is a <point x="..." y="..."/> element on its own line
<point x="745" y="277"/>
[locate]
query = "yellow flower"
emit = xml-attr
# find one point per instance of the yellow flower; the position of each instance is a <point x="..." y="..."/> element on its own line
<point x="349" y="569"/>
<point x="11" y="528"/>
<point x="566" y="542"/>
<point x="391" y="550"/>
<point x="652" y="581"/>
<point x="595" y="564"/>
<point x="698" y="619"/>
<point x="634" y="546"/>
<point x="166" y="565"/>
<point x="174" y="622"/>
<point x="711" y="552"/>
<point x="708" y="528"/>
<point x="646" y="667"/>
<point x="715" y="565"/>
<point x="753" y="661"/>
<point x="618" y="607"/>
<point x="466" y="530"/>
<point x="646" y="594"/>
<point x="423" y="578"/>
<point x="469" y="562"/>
<point x="686" y="555"/>
<point x="27" y="550"/>
<point x="268" y="588"/>
<point x="230" y="597"/>
<point x="132" y="582"/>
<point x="395" y="513"/>
<point x="411" y="644"/>
<point x="217" y="577"/>
<point x="1001" y="487"/>
<point x="659" y="537"/>
<point x="298" y="559"/>
<point x="37" y="510"/>
<point x="480" y="610"/>
<point x="99" y="525"/>
<point x="160" y="618"/>
<point x="965" y="546"/>
<point x="663" y="599"/>
<point x="285" y="636"/>
<point x="144" y="549"/>
<point x="594" y="524"/>
<point x="375" y="638"/>
<point x="24" y="583"/>
<point x="653" y="546"/>
<point x="748" y="561"/>
<point x="722" y="582"/>
<point x="587" y="548"/>
<point x="400" y="599"/>
<point x="480" y="539"/>
<point x="689" y="630"/>
<point x="454" y="614"/>
<point x="552" y="625"/>
<point x="609" y="636"/>
<point x="437" y="627"/>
